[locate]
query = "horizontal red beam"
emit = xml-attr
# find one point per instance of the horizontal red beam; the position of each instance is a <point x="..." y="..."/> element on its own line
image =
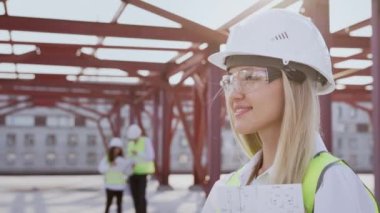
<point x="349" y="95"/>
<point x="81" y="61"/>
<point x="78" y="46"/>
<point x="348" y="41"/>
<point x="57" y="86"/>
<point x="98" y="29"/>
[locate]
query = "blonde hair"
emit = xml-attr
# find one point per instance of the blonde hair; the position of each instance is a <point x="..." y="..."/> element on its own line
<point x="300" y="123"/>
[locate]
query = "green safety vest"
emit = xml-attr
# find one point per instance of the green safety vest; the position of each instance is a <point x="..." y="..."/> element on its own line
<point x="114" y="177"/>
<point x="312" y="179"/>
<point x="146" y="167"/>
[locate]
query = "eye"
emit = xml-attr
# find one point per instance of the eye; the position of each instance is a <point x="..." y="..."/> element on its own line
<point x="250" y="76"/>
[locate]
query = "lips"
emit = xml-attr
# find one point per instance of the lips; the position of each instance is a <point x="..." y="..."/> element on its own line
<point x="239" y="110"/>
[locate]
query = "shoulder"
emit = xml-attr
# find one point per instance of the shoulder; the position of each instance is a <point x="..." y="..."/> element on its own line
<point x="341" y="174"/>
<point x="341" y="190"/>
<point x="146" y="140"/>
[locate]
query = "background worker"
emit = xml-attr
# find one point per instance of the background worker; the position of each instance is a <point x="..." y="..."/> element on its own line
<point x="115" y="169"/>
<point x="139" y="148"/>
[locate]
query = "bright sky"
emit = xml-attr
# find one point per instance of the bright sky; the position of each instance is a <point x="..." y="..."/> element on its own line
<point x="211" y="13"/>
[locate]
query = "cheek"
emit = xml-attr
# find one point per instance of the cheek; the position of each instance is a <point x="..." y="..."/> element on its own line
<point x="269" y="104"/>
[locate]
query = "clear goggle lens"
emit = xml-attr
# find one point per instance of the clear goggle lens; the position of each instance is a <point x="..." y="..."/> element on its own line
<point x="246" y="79"/>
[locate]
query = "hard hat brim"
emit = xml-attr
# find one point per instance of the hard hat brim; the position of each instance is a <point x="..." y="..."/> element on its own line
<point x="218" y="59"/>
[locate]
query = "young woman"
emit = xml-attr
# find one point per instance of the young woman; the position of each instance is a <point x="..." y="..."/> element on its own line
<point x="277" y="64"/>
<point x="115" y="169"/>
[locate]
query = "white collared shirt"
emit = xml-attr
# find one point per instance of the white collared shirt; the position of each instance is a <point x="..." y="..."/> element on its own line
<point x="340" y="191"/>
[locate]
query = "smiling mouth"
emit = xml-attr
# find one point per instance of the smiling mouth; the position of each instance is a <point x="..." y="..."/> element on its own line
<point x="240" y="111"/>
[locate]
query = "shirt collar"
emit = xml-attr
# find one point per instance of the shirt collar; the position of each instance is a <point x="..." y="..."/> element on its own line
<point x="264" y="177"/>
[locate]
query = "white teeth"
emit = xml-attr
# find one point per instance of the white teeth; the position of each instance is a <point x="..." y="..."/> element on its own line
<point x="241" y="110"/>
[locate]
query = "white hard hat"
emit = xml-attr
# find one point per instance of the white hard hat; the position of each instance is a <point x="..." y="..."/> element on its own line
<point x="116" y="142"/>
<point x="283" y="36"/>
<point x="133" y="131"/>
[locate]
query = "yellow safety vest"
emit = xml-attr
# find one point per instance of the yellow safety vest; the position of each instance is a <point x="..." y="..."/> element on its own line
<point x="310" y="184"/>
<point x="114" y="177"/>
<point x="146" y="167"/>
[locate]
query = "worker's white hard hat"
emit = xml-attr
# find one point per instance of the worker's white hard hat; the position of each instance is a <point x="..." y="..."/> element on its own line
<point x="116" y="142"/>
<point x="134" y="131"/>
<point x="284" y="37"/>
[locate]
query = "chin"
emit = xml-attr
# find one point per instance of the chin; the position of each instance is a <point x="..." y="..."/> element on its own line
<point x="245" y="129"/>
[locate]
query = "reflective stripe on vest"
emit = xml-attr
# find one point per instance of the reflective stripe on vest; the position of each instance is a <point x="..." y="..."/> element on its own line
<point x="146" y="167"/>
<point x="314" y="171"/>
<point x="312" y="179"/>
<point x="114" y="177"/>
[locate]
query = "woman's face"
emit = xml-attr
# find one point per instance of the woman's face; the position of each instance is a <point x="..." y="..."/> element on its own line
<point x="117" y="151"/>
<point x="255" y="103"/>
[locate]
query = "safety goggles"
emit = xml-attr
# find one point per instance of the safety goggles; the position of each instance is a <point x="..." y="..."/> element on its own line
<point x="296" y="72"/>
<point x="248" y="78"/>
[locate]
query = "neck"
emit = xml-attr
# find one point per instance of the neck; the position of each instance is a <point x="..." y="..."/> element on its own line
<point x="269" y="138"/>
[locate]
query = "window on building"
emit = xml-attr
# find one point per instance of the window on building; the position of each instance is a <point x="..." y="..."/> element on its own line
<point x="50" y="158"/>
<point x="72" y="158"/>
<point x="91" y="140"/>
<point x="11" y="140"/>
<point x="91" y="158"/>
<point x="2" y="120"/>
<point x="80" y="121"/>
<point x="40" y="120"/>
<point x="28" y="158"/>
<point x="362" y="127"/>
<point x="72" y="140"/>
<point x="11" y="158"/>
<point x="29" y="140"/>
<point x="51" y="140"/>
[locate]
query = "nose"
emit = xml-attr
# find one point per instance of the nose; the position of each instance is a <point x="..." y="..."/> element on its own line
<point x="236" y="91"/>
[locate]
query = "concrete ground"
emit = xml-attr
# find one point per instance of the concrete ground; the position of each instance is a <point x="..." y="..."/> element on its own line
<point x="82" y="194"/>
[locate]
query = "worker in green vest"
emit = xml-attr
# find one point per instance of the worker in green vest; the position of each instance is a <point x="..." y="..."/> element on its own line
<point x="140" y="149"/>
<point x="277" y="64"/>
<point x="115" y="168"/>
